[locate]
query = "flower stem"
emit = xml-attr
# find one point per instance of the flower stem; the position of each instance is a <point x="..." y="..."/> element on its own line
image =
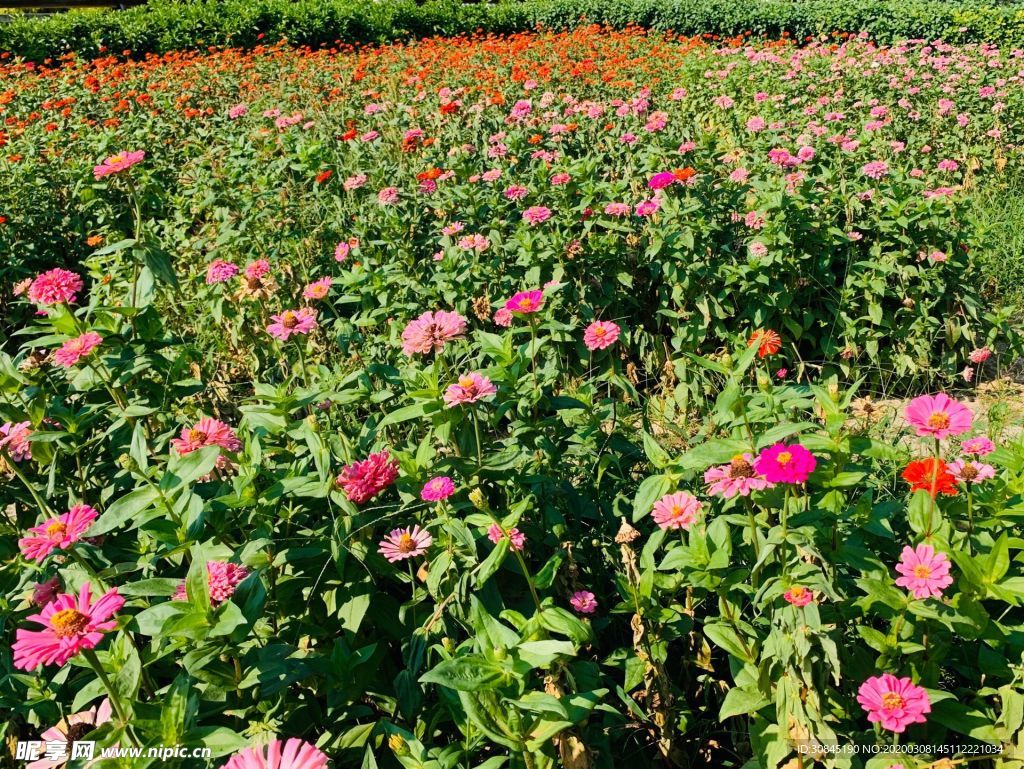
<point x="115" y="699"/>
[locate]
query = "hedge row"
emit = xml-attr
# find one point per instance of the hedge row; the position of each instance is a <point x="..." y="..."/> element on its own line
<point x="165" y="25"/>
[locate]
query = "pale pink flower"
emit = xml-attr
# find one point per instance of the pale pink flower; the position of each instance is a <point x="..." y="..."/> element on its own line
<point x="503" y="317"/>
<point x="291" y="322"/>
<point x="676" y="511"/>
<point x="70" y="624"/>
<point x="600" y="334"/>
<point x="405" y="543"/>
<point x="979" y="446"/>
<point x="318" y="289"/>
<point x="876" y="169"/>
<point x="237" y="111"/>
<point x="14" y="440"/>
<point x="208" y="432"/>
<point x="968" y="471"/>
<point x="75" y="349"/>
<point x="431" y="331"/>
<point x="925" y="572"/>
<point x="71" y="729"/>
<point x="293" y="754"/>
<point x="980" y="355"/>
<point x="737" y="477"/>
<point x="536" y="214"/>
<point x="470" y="388"/>
<point x="388" y="196"/>
<point x="516" y="539"/>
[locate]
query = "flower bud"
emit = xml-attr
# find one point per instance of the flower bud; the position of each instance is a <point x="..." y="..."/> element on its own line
<point x="478" y="499"/>
<point x="398" y="745"/>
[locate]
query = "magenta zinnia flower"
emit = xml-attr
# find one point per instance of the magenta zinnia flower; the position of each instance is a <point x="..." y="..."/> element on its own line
<point x="583" y="601"/>
<point x="222" y="578"/>
<point x="70" y="624"/>
<point x="75" y="349"/>
<point x="60" y="532"/>
<point x="925" y="572"/>
<point x="431" y="331"/>
<point x="798" y="596"/>
<point x="291" y="322"/>
<point x="14" y="440"/>
<point x="117" y="163"/>
<point x="737" y="477"/>
<point x="676" y="511"/>
<point x="469" y="389"/>
<point x="526" y="302"/>
<point x="893" y="702"/>
<point x="220" y="271"/>
<point x="785" y="464"/>
<point x="293" y="754"/>
<point x="361" y="481"/>
<point x="437" y="489"/>
<point x="600" y="334"/>
<point x="405" y="543"/>
<point x="55" y="286"/>
<point x="968" y="471"/>
<point x="938" y="416"/>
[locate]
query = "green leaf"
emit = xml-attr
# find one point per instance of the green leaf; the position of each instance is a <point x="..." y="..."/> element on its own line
<point x="470" y="673"/>
<point x="741" y="700"/>
<point x="124" y="509"/>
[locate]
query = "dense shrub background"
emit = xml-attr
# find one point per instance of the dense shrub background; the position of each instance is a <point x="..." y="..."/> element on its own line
<point x="163" y="26"/>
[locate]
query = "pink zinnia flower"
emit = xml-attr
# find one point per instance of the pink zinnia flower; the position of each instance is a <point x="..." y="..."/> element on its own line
<point x="661" y="180"/>
<point x="785" y="464"/>
<point x="388" y="196"/>
<point x="469" y="389"/>
<point x="361" y="481"/>
<point x="70" y="624"/>
<point x="318" y="289"/>
<point x="405" y="543"/>
<point x="503" y="317"/>
<point x="980" y="355"/>
<point x="600" y="334"/>
<point x="220" y="271"/>
<point x="75" y="349"/>
<point x="71" y="729"/>
<point x="925" y="572"/>
<point x="60" y="532"/>
<point x="291" y="322"/>
<point x="967" y="471"/>
<point x="798" y="596"/>
<point x="431" y="331"/>
<point x="257" y="269"/>
<point x="583" y="601"/>
<point x="516" y="538"/>
<point x="55" y="286"/>
<point x="114" y="164"/>
<point x="437" y="489"/>
<point x="676" y="511"/>
<point x="526" y="302"/>
<point x="237" y="111"/>
<point x="536" y="214"/>
<point x="206" y="432"/>
<point x="293" y="754"/>
<point x="876" y="169"/>
<point x="14" y="440"/>
<point x="893" y="702"/>
<point x="737" y="477"/>
<point x="979" y="446"/>
<point x="938" y="416"/>
<point x="222" y="578"/>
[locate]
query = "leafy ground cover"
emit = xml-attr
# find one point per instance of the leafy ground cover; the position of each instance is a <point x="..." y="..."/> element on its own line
<point x="508" y="401"/>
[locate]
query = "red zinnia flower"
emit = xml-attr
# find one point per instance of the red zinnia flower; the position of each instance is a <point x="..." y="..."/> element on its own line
<point x="322" y="177"/>
<point x="930" y="475"/>
<point x="768" y="342"/>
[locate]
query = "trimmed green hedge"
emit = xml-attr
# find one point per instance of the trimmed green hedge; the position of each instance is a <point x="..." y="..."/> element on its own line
<point x="165" y="25"/>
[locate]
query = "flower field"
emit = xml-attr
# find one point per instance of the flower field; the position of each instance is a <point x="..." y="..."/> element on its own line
<point x="578" y="399"/>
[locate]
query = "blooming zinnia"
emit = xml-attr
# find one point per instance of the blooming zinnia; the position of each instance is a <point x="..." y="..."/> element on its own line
<point x="931" y="475"/>
<point x="768" y="342"/>
<point x="967" y="471"/>
<point x="291" y="322"/>
<point x="75" y="349"/>
<point x="798" y="595"/>
<point x="676" y="511"/>
<point x="59" y="532"/>
<point x="208" y="432"/>
<point x="293" y="754"/>
<point x="925" y="572"/>
<point x="583" y="601"/>
<point x="516" y="538"/>
<point x="785" y="464"/>
<point x="526" y="302"/>
<point x="469" y="389"/>
<point x="737" y="477"/>
<point x="70" y="624"/>
<point x="318" y="289"/>
<point x="437" y="489"/>
<point x="938" y="416"/>
<point x="361" y="481"/>
<point x="222" y="578"/>
<point x="536" y="214"/>
<point x="979" y="446"/>
<point x="70" y="730"/>
<point x="114" y="164"/>
<point x="600" y="334"/>
<point x="405" y="543"/>
<point x="893" y="702"/>
<point x="431" y="331"/>
<point x="14" y="440"/>
<point x="220" y="271"/>
<point x="55" y="286"/>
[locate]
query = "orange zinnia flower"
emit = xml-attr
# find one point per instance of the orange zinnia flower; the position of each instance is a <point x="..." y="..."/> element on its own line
<point x="930" y="475"/>
<point x="768" y="342"/>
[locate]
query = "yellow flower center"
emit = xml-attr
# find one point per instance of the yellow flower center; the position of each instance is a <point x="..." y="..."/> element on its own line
<point x="289" y="319"/>
<point x="922" y="572"/>
<point x="784" y="458"/>
<point x="526" y="303"/>
<point x="892" y="701"/>
<point x="69" y="622"/>
<point x="56" y="530"/>
<point x="466" y="382"/>
<point x="113" y="160"/>
<point x="406" y="544"/>
<point x="600" y="331"/>
<point x="797" y="592"/>
<point x="197" y="436"/>
<point x="939" y="420"/>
